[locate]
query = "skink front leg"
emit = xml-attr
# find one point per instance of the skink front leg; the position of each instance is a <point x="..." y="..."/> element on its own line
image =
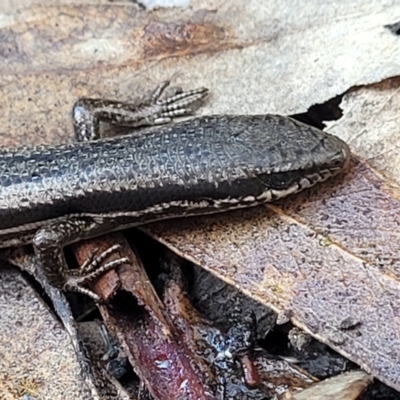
<point x="152" y="109"/>
<point x="49" y="242"/>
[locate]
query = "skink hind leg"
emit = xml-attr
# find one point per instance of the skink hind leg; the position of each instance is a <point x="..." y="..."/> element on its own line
<point x="151" y="109"/>
<point x="48" y="244"/>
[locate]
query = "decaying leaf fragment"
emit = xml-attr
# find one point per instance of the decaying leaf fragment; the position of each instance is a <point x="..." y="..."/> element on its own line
<point x="347" y="386"/>
<point x="323" y="257"/>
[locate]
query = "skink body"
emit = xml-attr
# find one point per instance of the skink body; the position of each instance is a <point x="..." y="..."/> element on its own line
<point x="204" y="165"/>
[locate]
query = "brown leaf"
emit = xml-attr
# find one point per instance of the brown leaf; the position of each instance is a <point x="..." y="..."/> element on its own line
<point x="255" y="59"/>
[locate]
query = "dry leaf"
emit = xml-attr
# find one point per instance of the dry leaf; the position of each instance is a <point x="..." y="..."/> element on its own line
<point x="255" y="58"/>
<point x="371" y="125"/>
<point x="33" y="346"/>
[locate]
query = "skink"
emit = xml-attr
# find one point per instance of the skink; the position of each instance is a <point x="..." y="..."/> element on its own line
<point x="51" y="196"/>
